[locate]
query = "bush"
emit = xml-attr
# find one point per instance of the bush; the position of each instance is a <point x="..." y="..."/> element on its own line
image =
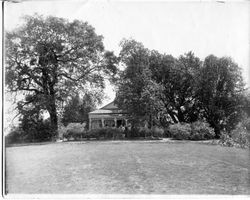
<point x="246" y="123"/>
<point x="157" y="132"/>
<point x="239" y="137"/>
<point x="43" y="132"/>
<point x="142" y="132"/>
<point x="226" y="140"/>
<point x="196" y="131"/>
<point x="62" y="131"/>
<point x="167" y="133"/>
<point x="180" y="131"/>
<point x="105" y="133"/>
<point x="75" y="131"/>
<point x="96" y="133"/>
<point x="201" y="131"/>
<point x="75" y="134"/>
<point x="39" y="132"/>
<point x="15" y="136"/>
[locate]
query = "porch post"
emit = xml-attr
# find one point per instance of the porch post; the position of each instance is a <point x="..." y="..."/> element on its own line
<point x="102" y="122"/>
<point x="89" y="123"/>
<point x="126" y="122"/>
<point x="115" y="122"/>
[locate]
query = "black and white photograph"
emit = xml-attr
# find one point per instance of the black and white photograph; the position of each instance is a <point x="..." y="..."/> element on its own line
<point x="125" y="99"/>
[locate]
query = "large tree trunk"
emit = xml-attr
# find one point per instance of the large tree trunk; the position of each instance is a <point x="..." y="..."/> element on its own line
<point x="180" y="115"/>
<point x="51" y="81"/>
<point x="53" y="117"/>
<point x="217" y="131"/>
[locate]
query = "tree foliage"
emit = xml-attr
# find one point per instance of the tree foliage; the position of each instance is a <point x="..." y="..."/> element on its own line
<point x="77" y="109"/>
<point x="221" y="92"/>
<point x="51" y="59"/>
<point x="158" y="86"/>
<point x="177" y="78"/>
<point x="184" y="89"/>
<point x="135" y="87"/>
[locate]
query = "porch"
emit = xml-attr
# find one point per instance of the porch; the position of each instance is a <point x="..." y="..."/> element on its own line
<point x="108" y="116"/>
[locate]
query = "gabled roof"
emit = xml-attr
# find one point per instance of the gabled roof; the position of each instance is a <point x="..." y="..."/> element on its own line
<point x="110" y="106"/>
<point x="108" y="109"/>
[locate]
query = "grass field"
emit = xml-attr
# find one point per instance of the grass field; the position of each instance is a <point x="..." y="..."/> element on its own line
<point x="135" y="167"/>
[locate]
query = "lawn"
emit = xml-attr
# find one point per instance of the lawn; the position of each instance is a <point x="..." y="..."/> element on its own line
<point x="135" y="167"/>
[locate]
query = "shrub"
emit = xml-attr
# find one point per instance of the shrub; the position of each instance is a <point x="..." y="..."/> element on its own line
<point x="96" y="133"/>
<point x="79" y="126"/>
<point x="136" y="132"/>
<point x="15" y="136"/>
<point x="106" y="133"/>
<point x="180" y="131"/>
<point x="36" y="132"/>
<point x="239" y="137"/>
<point x="157" y="132"/>
<point x="73" y="130"/>
<point x="143" y="132"/>
<point x="62" y="132"/>
<point x="75" y="134"/>
<point x="226" y="140"/>
<point x="246" y="123"/>
<point x="43" y="132"/>
<point x="167" y="133"/>
<point x="201" y="131"/>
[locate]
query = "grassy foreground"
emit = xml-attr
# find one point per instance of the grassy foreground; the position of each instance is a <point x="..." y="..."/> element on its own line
<point x="134" y="167"/>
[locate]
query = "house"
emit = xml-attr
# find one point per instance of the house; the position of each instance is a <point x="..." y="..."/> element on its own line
<point x="108" y="116"/>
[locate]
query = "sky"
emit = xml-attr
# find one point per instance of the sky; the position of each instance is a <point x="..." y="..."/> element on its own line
<point x="203" y="27"/>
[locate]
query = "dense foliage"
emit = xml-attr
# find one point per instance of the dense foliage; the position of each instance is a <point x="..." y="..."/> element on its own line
<point x="15" y="136"/>
<point x="239" y="137"/>
<point x="180" y="131"/>
<point x="77" y="109"/>
<point x="102" y="133"/>
<point x="50" y="59"/>
<point x="196" y="131"/>
<point x="162" y="90"/>
<point x="30" y="131"/>
<point x="201" y="131"/>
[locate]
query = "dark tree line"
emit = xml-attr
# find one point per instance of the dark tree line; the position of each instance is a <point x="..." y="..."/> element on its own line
<point x="163" y="89"/>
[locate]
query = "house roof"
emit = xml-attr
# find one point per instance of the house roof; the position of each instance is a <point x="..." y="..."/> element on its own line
<point x="110" y="108"/>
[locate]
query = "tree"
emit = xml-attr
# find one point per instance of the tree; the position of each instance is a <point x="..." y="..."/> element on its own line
<point x="51" y="58"/>
<point x="32" y="125"/>
<point x="157" y="85"/>
<point x="177" y="78"/>
<point x="135" y="80"/>
<point x="220" y="92"/>
<point x="78" y="108"/>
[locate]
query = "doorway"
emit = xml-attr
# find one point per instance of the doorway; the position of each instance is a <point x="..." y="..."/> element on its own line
<point x="119" y="123"/>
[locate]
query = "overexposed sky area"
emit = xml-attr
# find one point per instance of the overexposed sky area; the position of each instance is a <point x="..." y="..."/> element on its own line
<point x="204" y="27"/>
